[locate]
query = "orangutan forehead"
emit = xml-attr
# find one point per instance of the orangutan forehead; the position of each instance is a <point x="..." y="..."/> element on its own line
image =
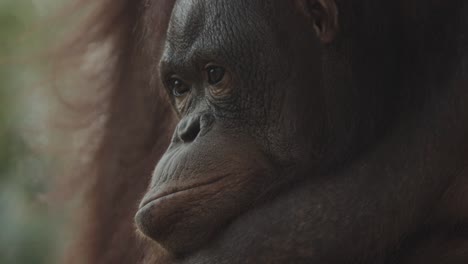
<point x="221" y="27"/>
<point x="190" y="17"/>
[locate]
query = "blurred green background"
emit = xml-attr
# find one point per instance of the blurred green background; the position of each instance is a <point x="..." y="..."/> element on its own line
<point x="29" y="230"/>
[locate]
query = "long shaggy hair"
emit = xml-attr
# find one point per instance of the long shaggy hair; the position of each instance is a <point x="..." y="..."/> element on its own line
<point x="117" y="124"/>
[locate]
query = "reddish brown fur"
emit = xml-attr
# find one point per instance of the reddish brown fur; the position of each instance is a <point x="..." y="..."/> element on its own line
<point x="136" y="131"/>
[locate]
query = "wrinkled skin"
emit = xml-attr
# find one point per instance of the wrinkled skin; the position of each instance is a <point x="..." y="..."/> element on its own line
<point x="236" y="139"/>
<point x="253" y="161"/>
<point x="312" y="131"/>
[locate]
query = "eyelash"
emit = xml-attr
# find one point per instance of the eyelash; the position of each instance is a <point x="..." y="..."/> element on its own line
<point x="177" y="86"/>
<point x="179" y="89"/>
<point x="218" y="71"/>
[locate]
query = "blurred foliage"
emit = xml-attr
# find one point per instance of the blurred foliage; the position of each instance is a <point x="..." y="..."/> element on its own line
<point x="28" y="228"/>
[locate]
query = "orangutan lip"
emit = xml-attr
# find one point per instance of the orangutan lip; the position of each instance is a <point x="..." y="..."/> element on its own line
<point x="157" y="196"/>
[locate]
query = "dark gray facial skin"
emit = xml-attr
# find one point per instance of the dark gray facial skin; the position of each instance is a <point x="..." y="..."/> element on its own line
<point x="290" y="147"/>
<point x="236" y="142"/>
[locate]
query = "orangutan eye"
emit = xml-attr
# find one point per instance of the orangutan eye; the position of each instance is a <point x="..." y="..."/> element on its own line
<point x="215" y="74"/>
<point x="177" y="87"/>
